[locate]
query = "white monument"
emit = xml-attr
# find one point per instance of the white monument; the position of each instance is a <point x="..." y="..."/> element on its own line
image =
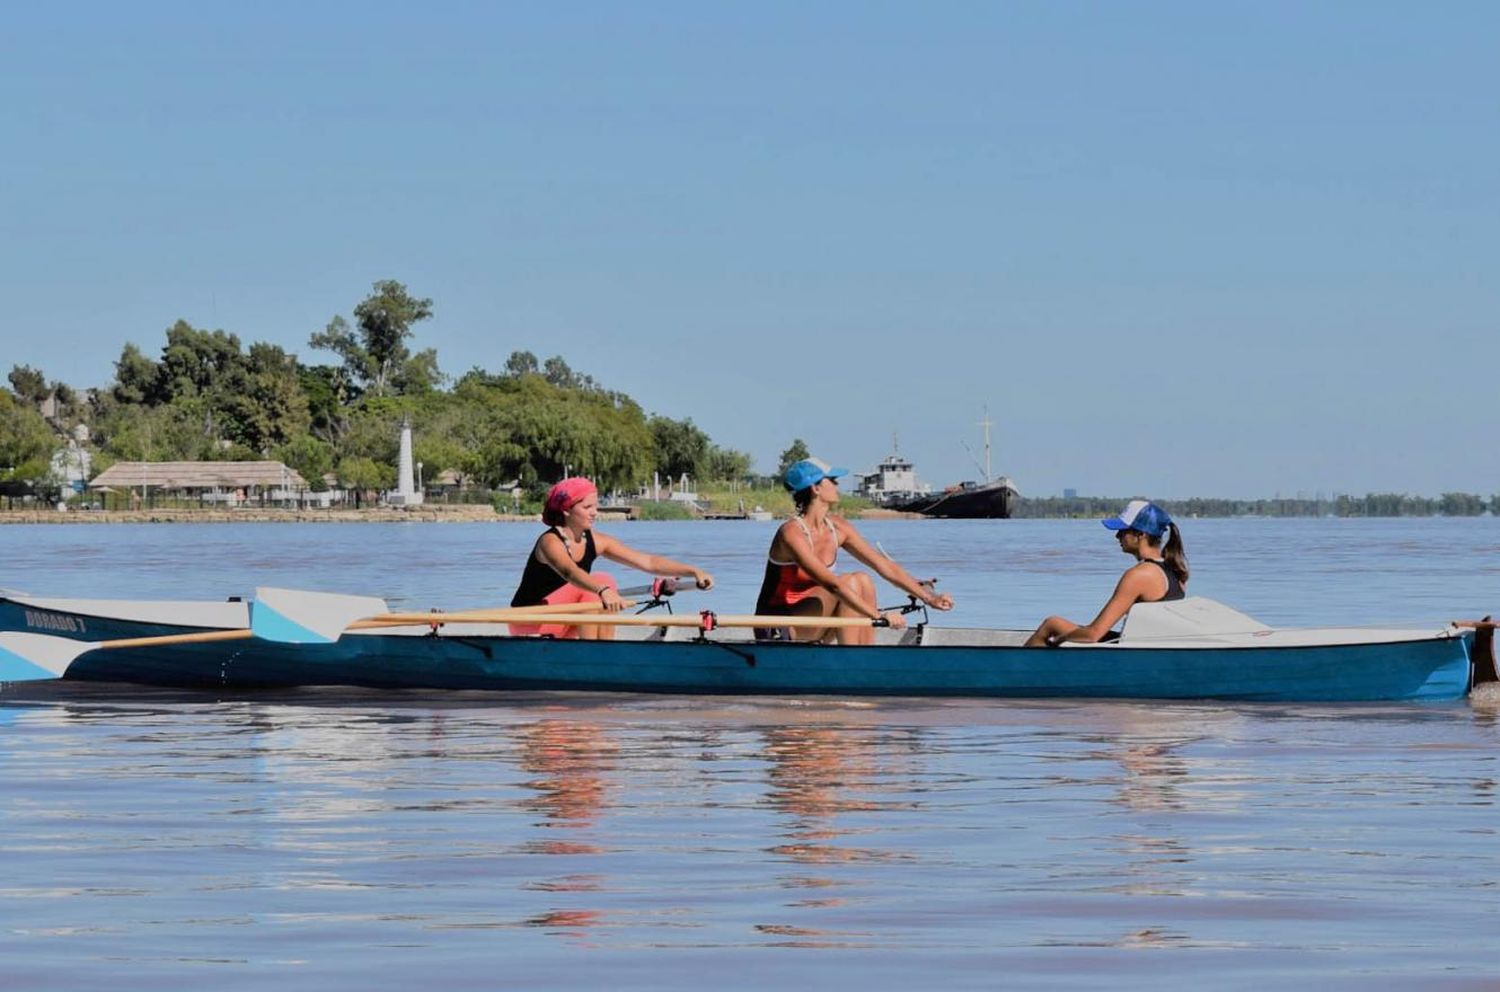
<point x="406" y="493"/>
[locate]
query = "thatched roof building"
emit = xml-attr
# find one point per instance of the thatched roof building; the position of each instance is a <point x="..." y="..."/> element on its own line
<point x="199" y="476"/>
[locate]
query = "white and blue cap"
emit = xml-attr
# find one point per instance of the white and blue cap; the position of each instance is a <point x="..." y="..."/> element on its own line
<point x="809" y="472"/>
<point x="1142" y="515"/>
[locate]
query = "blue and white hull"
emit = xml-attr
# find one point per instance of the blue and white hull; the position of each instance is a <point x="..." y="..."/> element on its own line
<point x="1194" y="649"/>
<point x="1431" y="667"/>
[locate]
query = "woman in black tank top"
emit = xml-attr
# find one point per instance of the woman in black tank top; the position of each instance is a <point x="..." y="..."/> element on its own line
<point x="560" y="568"/>
<point x="1160" y="574"/>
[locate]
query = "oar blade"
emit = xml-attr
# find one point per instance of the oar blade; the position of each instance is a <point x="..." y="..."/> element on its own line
<point x="293" y="616"/>
<point x="30" y="657"/>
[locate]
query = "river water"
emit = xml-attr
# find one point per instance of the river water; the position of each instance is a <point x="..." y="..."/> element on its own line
<point x="342" y="839"/>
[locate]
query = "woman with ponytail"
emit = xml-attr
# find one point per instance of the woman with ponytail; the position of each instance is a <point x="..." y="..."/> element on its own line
<point x="1160" y="574"/>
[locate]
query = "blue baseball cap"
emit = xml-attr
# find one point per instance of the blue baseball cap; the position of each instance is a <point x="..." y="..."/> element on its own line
<point x="810" y="472"/>
<point x="1141" y="515"/>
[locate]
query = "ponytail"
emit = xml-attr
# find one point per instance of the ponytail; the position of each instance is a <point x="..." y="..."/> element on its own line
<point x="1175" y="554"/>
<point x="802" y="499"/>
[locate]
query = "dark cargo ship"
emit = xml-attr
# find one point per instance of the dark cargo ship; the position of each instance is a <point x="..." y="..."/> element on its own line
<point x="968" y="500"/>
<point x="894" y="486"/>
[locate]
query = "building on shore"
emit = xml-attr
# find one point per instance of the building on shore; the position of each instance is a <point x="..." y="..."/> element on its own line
<point x="224" y="483"/>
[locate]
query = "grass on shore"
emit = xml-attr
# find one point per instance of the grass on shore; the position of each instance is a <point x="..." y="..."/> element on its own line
<point x="721" y="497"/>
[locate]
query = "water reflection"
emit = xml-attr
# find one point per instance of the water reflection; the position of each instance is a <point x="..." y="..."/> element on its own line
<point x="828" y="780"/>
<point x="1154" y="775"/>
<point x="570" y="761"/>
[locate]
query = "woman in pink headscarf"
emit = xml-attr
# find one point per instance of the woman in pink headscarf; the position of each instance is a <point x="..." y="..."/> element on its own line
<point x="560" y="568"/>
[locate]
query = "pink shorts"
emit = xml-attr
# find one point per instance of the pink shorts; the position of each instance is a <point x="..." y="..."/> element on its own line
<point x="567" y="593"/>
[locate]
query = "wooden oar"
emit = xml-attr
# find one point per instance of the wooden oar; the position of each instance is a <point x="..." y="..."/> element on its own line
<point x="706" y="620"/>
<point x="294" y="616"/>
<point x="477" y="616"/>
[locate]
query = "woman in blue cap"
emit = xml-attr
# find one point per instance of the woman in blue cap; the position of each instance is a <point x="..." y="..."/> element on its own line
<point x="800" y="579"/>
<point x="1160" y="573"/>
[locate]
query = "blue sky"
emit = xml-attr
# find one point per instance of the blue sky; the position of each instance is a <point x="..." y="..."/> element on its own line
<point x="1175" y="248"/>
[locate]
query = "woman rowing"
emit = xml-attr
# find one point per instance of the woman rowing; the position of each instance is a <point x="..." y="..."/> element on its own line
<point x="800" y="579"/>
<point x="1160" y="574"/>
<point x="560" y="568"/>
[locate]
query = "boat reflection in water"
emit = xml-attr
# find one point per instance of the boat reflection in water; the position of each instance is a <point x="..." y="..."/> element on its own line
<point x="570" y="761"/>
<point x="829" y="781"/>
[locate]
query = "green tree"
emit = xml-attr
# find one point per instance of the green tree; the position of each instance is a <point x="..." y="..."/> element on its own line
<point x="1461" y="504"/>
<point x="26" y="442"/>
<point x="360" y="472"/>
<point x="419" y="374"/>
<point x="328" y="391"/>
<point x="29" y="384"/>
<point x="557" y="372"/>
<point x="533" y="431"/>
<point x="311" y="458"/>
<point x="377" y="355"/>
<point x="261" y="404"/>
<point x="169" y="432"/>
<point x="726" y="464"/>
<point x="195" y="362"/>
<point x="680" y="447"/>
<point x="521" y="363"/>
<point x="137" y="378"/>
<point x="791" y="456"/>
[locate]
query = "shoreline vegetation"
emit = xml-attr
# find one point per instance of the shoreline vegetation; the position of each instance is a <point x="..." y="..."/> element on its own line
<point x="728" y="504"/>
<point x="491" y="441"/>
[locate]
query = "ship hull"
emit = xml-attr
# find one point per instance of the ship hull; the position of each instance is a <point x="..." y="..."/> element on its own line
<point x="993" y="502"/>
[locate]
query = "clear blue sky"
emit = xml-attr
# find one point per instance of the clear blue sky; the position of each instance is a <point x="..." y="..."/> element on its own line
<point x="1176" y="248"/>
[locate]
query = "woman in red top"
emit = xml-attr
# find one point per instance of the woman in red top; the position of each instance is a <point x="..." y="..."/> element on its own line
<point x="800" y="579"/>
<point x="560" y="566"/>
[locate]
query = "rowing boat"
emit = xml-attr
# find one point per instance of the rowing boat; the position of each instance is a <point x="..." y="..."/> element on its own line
<point x="112" y="619"/>
<point x="1191" y="649"/>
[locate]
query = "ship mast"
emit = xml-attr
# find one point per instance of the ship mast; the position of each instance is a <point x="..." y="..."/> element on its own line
<point x="985" y="423"/>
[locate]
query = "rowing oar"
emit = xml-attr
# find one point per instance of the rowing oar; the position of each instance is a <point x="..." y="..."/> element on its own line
<point x="658" y="589"/>
<point x="26" y="657"/>
<point x="704" y="620"/>
<point x="296" y="617"/>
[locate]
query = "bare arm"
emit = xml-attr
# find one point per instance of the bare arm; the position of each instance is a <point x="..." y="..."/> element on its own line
<point x="800" y="552"/>
<point x="616" y="550"/>
<point x="552" y="551"/>
<point x="1136" y="584"/>
<point x="889" y="570"/>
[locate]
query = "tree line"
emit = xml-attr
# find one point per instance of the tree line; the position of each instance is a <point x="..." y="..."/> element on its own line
<point x="1343" y="505"/>
<point x="207" y="397"/>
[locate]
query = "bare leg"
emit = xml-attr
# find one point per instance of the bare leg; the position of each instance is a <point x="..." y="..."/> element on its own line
<point x="823" y="603"/>
<point x="818" y="603"/>
<point x="1051" y="627"/>
<point x="860" y="586"/>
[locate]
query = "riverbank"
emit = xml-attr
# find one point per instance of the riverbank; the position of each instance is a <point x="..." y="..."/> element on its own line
<point x="436" y="513"/>
<point x="475" y="513"/>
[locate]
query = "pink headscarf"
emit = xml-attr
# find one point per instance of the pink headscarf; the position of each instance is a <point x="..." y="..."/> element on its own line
<point x="563" y="497"/>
